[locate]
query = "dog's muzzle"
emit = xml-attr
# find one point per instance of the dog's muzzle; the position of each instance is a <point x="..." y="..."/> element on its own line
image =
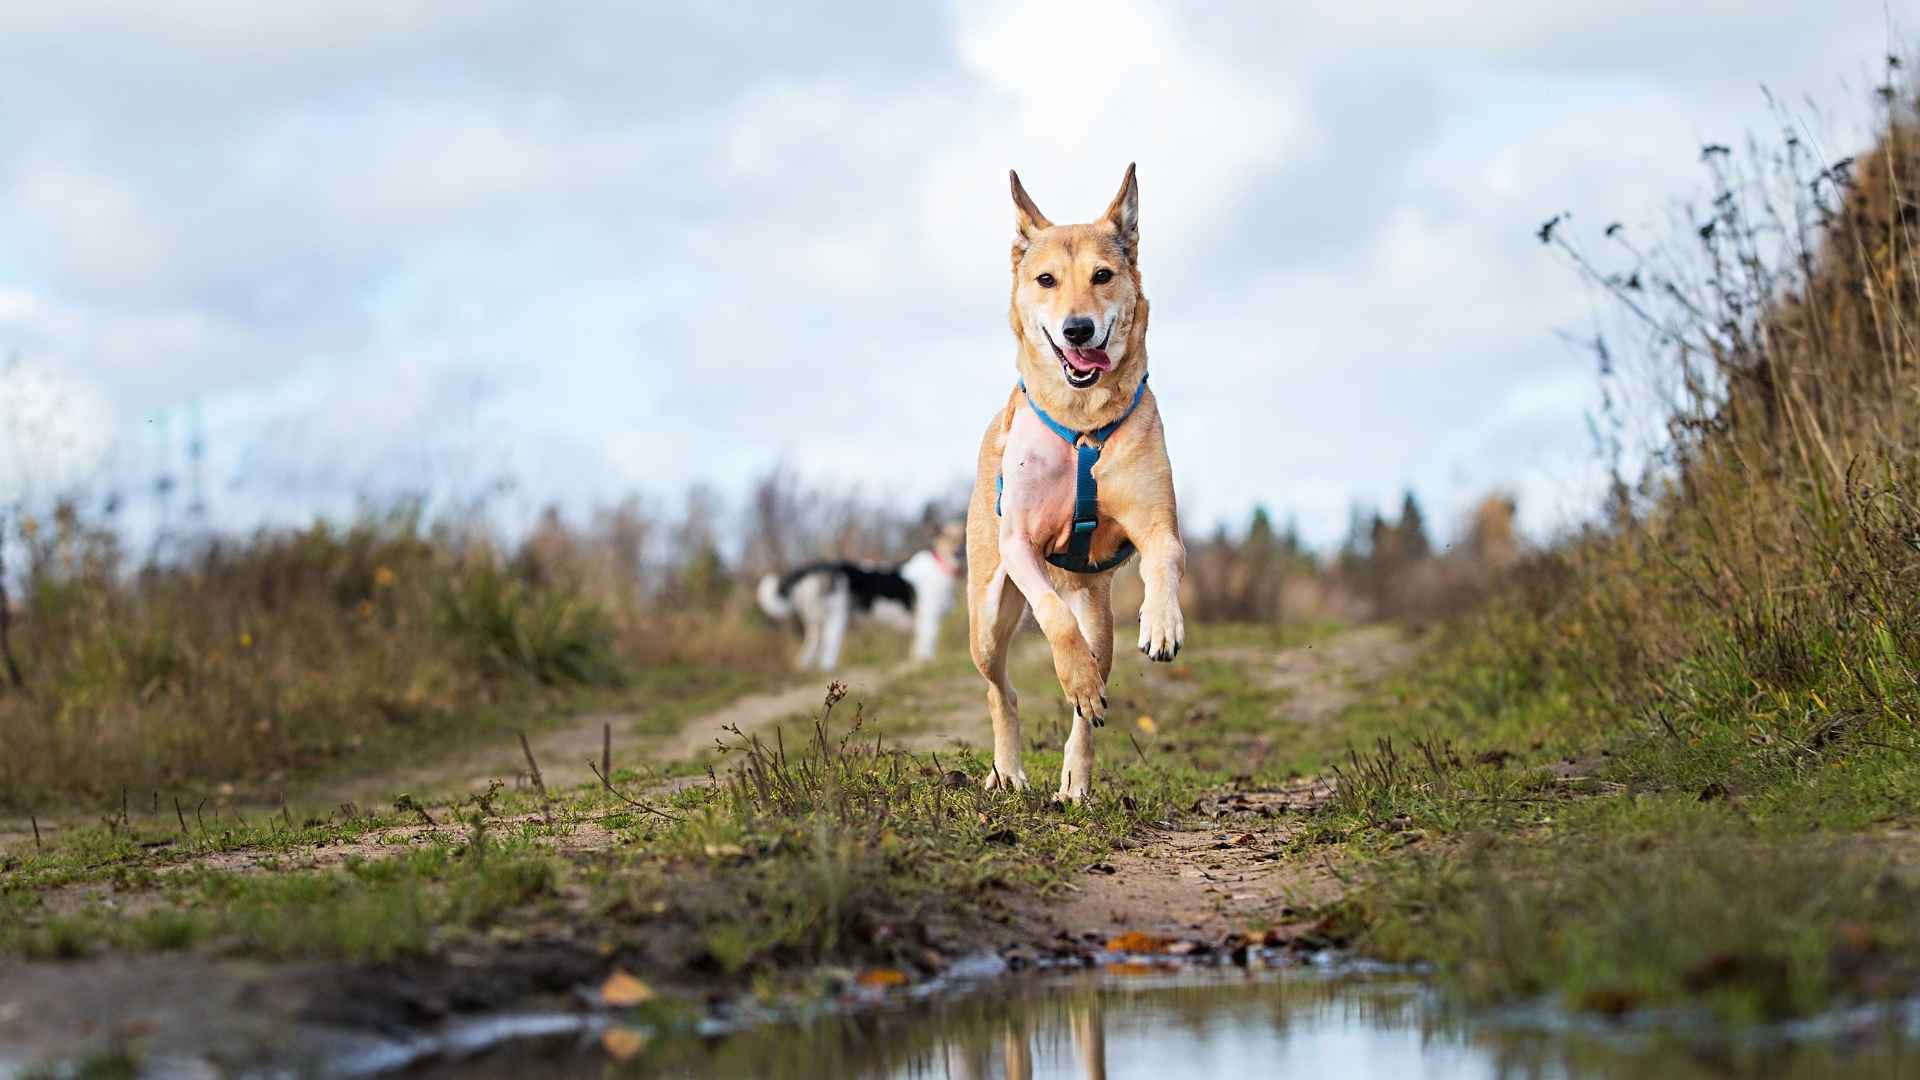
<point x="1083" y="366"/>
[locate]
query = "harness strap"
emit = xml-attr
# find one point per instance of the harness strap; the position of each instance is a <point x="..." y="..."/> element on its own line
<point x="1086" y="491"/>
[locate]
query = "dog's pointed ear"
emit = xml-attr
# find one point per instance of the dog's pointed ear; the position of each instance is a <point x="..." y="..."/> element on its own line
<point x="1027" y="219"/>
<point x="1124" y="214"/>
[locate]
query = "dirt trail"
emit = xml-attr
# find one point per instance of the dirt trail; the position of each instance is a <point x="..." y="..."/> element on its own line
<point x="759" y="712"/>
<point x="564" y="752"/>
<point x="1220" y="868"/>
<point x="1229" y="872"/>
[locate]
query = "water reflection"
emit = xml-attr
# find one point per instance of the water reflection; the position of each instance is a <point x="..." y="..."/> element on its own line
<point x="1201" y="1024"/>
<point x="1085" y="1026"/>
<point x="1180" y="1025"/>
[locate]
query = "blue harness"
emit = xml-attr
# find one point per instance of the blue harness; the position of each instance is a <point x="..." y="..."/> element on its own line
<point x="1086" y="492"/>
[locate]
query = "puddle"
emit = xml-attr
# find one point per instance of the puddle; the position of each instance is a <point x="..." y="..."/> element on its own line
<point x="1136" y="1021"/>
<point x="1126" y="1016"/>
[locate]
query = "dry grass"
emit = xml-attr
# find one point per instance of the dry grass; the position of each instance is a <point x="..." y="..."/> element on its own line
<point x="258" y="659"/>
<point x="1770" y="570"/>
<point x="1728" y="665"/>
<point x="287" y="652"/>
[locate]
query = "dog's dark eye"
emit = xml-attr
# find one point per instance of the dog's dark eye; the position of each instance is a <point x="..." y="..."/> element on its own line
<point x="1102" y="276"/>
<point x="1046" y="281"/>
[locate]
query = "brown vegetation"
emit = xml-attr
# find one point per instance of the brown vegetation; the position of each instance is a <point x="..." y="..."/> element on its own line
<point x="1774" y="545"/>
<point x="1385" y="571"/>
<point x="222" y="659"/>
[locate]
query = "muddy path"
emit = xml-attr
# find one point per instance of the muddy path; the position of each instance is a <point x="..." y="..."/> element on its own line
<point x="1223" y="867"/>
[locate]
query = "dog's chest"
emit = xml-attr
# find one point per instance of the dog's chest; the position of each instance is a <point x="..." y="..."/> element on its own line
<point x="1037" y="467"/>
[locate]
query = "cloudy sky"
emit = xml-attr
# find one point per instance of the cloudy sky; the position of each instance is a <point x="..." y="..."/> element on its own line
<point x="382" y="245"/>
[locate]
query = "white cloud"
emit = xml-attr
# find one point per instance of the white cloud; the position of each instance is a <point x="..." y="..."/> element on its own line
<point x="675" y="243"/>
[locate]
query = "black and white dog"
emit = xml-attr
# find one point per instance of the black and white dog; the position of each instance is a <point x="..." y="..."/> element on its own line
<point x="826" y="596"/>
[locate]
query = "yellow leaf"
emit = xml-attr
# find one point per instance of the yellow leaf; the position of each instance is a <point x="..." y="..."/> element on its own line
<point x="725" y="851"/>
<point x="1146" y="724"/>
<point x="1136" y="942"/>
<point x="883" y="978"/>
<point x="622" y="1043"/>
<point x="621" y="990"/>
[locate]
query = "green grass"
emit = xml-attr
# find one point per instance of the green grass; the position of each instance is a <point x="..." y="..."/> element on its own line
<point x="1529" y="851"/>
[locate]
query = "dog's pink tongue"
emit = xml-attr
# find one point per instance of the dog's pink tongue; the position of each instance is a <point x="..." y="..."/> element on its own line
<point x="1089" y="360"/>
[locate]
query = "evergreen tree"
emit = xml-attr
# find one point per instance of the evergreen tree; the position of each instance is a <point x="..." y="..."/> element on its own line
<point x="1411" y="540"/>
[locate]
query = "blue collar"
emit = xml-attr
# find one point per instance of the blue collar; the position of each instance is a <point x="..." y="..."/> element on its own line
<point x="1098" y="436"/>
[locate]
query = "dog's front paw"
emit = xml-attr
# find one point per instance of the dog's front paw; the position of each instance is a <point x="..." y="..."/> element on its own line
<point x="1162" y="628"/>
<point x="1080" y="681"/>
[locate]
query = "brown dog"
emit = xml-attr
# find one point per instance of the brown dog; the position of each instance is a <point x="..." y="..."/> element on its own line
<point x="1034" y="538"/>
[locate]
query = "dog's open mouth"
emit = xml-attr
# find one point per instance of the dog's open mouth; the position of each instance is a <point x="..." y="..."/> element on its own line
<point x="1083" y="367"/>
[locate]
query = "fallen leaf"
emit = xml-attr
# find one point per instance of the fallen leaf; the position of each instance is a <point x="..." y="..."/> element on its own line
<point x="1132" y="969"/>
<point x="1136" y="942"/>
<point x="1245" y="839"/>
<point x="1854" y="935"/>
<point x="883" y="978"/>
<point x="622" y="990"/>
<point x="1146" y="725"/>
<point x="725" y="851"/>
<point x="1610" y="1002"/>
<point x="622" y="1043"/>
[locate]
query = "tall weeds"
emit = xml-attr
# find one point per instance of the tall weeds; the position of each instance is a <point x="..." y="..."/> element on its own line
<point x="1760" y="587"/>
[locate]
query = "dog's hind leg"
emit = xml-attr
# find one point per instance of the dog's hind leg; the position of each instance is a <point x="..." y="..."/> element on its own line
<point x="926" y="629"/>
<point x="806" y="608"/>
<point x="1004" y="605"/>
<point x="836" y="608"/>
<point x="1092" y="608"/>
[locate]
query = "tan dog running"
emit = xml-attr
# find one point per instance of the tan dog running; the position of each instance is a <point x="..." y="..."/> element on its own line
<point x="1081" y="323"/>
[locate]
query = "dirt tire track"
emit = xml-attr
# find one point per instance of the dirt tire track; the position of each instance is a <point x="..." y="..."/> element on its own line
<point x="564" y="752"/>
<point x="757" y="713"/>
<point x="1227" y="872"/>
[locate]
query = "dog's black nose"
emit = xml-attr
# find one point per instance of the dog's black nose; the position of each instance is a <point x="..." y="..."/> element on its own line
<point x="1078" y="330"/>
